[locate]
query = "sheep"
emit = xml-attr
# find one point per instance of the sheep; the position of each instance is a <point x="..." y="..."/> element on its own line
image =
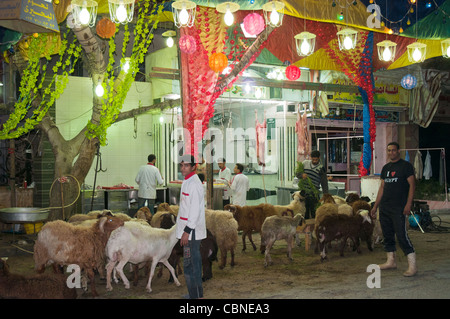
<point x="351" y="198"/>
<point x="224" y="228"/>
<point x="338" y="199"/>
<point x="144" y="214"/>
<point x="345" y="209"/>
<point x="61" y="243"/>
<point x="277" y="228"/>
<point x="360" y="204"/>
<point x="41" y="286"/>
<point x="325" y="210"/>
<point x="296" y="206"/>
<point x="92" y="215"/>
<point x="250" y="218"/>
<point x="137" y="243"/>
<point x="327" y="198"/>
<point x="338" y="226"/>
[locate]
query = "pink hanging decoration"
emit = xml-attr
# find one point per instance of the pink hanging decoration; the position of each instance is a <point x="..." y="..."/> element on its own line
<point x="293" y="72"/>
<point x="261" y="137"/>
<point x="187" y="44"/>
<point x="254" y="23"/>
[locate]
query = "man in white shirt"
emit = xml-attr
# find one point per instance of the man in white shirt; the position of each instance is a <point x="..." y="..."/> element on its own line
<point x="191" y="225"/>
<point x="239" y="186"/>
<point x="225" y="177"/>
<point x="147" y="178"/>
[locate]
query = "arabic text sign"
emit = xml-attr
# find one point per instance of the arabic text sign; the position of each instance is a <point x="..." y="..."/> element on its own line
<point x="37" y="12"/>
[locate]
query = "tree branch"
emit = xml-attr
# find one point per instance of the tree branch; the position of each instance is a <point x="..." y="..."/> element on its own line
<point x="263" y="36"/>
<point x="134" y="112"/>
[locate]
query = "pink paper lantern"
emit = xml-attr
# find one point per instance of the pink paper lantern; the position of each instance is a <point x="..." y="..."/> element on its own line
<point x="293" y="72"/>
<point x="187" y="44"/>
<point x="254" y="23"/>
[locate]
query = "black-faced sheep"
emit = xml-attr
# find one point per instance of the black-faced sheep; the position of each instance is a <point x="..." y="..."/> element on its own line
<point x="138" y="243"/>
<point x="276" y="228"/>
<point x="224" y="228"/>
<point x="338" y="226"/>
<point x="250" y="219"/>
<point x="42" y="286"/>
<point x="61" y="243"/>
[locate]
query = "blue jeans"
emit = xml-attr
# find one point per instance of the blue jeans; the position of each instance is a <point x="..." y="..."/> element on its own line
<point x="192" y="264"/>
<point x="150" y="204"/>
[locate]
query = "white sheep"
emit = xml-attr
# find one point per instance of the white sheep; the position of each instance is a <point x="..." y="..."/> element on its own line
<point x="223" y="227"/>
<point x="296" y="206"/>
<point x="276" y="228"/>
<point x="137" y="243"/>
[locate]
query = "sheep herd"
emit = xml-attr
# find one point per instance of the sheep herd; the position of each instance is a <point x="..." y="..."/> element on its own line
<point x="102" y="240"/>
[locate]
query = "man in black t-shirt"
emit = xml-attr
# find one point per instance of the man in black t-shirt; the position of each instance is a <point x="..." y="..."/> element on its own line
<point x="395" y="198"/>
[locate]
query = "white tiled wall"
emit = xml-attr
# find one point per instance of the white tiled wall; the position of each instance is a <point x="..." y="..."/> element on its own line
<point x="124" y="152"/>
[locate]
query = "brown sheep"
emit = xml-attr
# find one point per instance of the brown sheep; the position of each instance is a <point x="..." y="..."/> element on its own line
<point x="338" y="226"/>
<point x="327" y="199"/>
<point x="144" y="214"/>
<point x="33" y="287"/>
<point x="360" y="205"/>
<point x="250" y="218"/>
<point x="351" y="198"/>
<point x="61" y="243"/>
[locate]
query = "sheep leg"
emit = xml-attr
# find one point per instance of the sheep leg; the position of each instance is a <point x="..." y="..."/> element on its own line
<point x="223" y="258"/>
<point x="243" y="241"/>
<point x="109" y="269"/>
<point x="119" y="269"/>
<point x="152" y="272"/>
<point x="290" y="243"/>
<point x="91" y="276"/>
<point x="251" y="241"/>
<point x="232" y="257"/>
<point x="267" y="258"/>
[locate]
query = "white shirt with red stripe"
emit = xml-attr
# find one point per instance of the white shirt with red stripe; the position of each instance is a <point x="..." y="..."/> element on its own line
<point x="191" y="214"/>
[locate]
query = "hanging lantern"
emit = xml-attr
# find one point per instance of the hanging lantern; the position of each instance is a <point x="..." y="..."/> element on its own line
<point x="105" y="28"/>
<point x="187" y="44"/>
<point x="228" y="8"/>
<point x="347" y="39"/>
<point x="253" y="24"/>
<point x="121" y="11"/>
<point x="183" y="13"/>
<point x="409" y="82"/>
<point x="386" y="50"/>
<point x="445" y="46"/>
<point x="84" y="12"/>
<point x="305" y="43"/>
<point x="417" y="52"/>
<point x="273" y="13"/>
<point x="218" y="62"/>
<point x="293" y="72"/>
